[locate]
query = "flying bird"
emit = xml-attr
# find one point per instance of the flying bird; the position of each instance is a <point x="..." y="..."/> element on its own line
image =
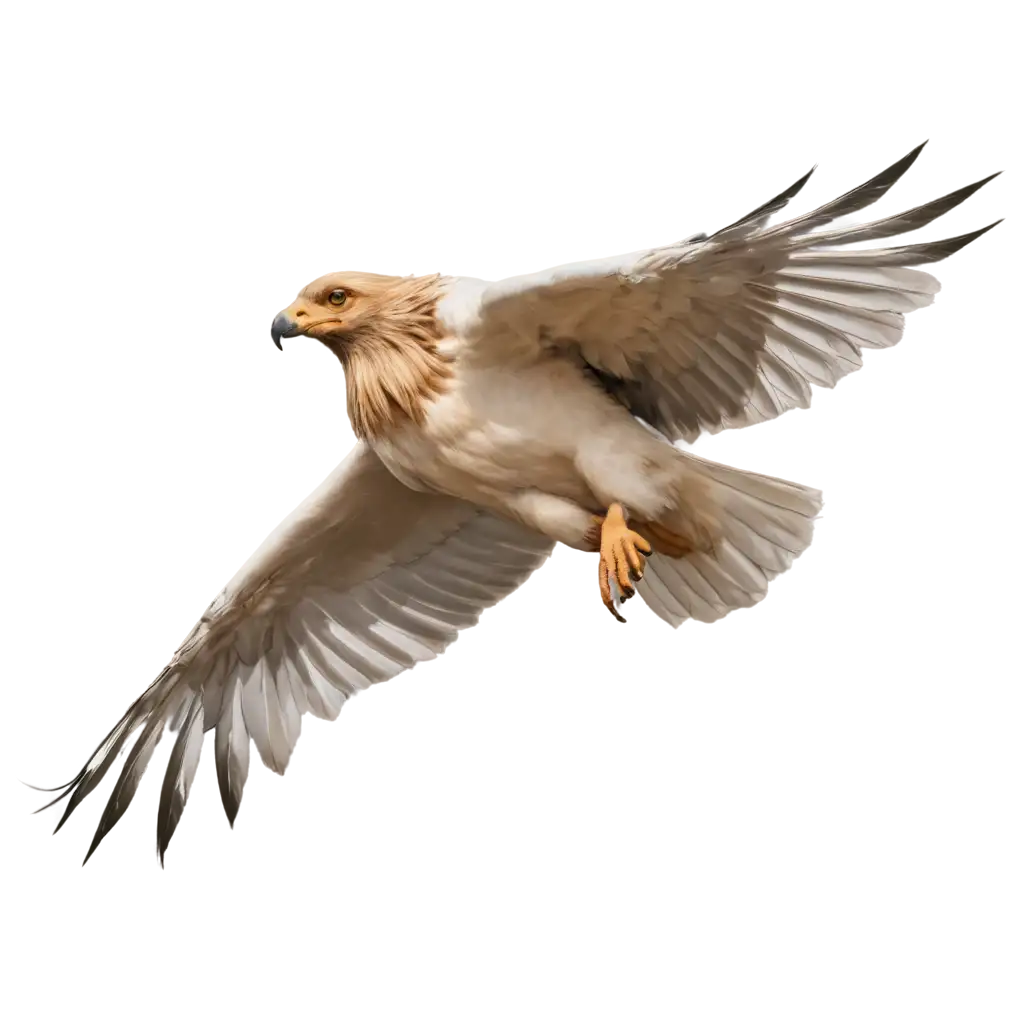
<point x="496" y="419"/>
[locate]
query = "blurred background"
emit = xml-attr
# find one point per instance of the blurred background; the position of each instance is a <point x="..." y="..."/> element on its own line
<point x="809" y="812"/>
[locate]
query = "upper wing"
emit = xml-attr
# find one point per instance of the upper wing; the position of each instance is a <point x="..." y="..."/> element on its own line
<point x="364" y="579"/>
<point x="725" y="331"/>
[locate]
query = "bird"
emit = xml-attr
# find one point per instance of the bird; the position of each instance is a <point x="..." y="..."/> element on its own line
<point x="495" y="420"/>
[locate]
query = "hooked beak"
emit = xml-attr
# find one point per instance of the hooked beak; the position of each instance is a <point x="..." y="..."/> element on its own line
<point x="284" y="334"/>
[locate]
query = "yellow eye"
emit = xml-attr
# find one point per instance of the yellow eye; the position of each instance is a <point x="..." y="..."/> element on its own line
<point x="337" y="297"/>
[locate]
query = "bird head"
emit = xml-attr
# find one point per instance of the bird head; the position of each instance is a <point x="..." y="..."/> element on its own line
<point x="335" y="308"/>
<point x="381" y="325"/>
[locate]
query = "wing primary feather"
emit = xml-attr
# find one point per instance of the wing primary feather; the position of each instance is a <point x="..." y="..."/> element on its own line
<point x="71" y="797"/>
<point x="128" y="781"/>
<point x="232" y="751"/>
<point x="856" y="199"/>
<point x="292" y="706"/>
<point x="261" y="712"/>
<point x="900" y="223"/>
<point x="756" y="218"/>
<point x="181" y="770"/>
<point x="894" y="255"/>
<point x="106" y="753"/>
<point x="213" y="688"/>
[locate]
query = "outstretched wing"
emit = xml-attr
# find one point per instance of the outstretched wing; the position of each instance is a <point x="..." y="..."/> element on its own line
<point x="730" y="330"/>
<point x="364" y="579"/>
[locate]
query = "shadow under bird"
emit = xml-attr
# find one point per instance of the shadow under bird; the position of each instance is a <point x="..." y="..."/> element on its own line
<point x="496" y="419"/>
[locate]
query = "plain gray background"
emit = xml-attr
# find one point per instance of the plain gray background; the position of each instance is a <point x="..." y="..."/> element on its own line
<point x="809" y="812"/>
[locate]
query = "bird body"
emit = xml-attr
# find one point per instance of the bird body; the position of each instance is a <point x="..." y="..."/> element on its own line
<point x="496" y="419"/>
<point x="506" y="439"/>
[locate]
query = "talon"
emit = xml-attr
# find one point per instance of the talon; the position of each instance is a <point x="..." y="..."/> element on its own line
<point x="622" y="558"/>
<point x="608" y="610"/>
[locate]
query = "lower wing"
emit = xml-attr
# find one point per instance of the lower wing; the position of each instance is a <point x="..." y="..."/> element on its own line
<point x="365" y="579"/>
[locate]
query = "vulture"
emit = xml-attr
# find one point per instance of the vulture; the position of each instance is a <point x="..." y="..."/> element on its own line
<point x="497" y="419"/>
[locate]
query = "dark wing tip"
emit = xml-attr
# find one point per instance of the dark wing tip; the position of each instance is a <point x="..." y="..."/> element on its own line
<point x="231" y="800"/>
<point x="875" y="182"/>
<point x="765" y="210"/>
<point x="952" y="245"/>
<point x="910" y="154"/>
<point x="895" y="171"/>
<point x="59" y="811"/>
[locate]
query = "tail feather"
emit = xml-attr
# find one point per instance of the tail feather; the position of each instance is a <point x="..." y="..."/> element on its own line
<point x="764" y="524"/>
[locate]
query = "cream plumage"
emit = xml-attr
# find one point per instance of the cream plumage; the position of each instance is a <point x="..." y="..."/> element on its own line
<point x="496" y="419"/>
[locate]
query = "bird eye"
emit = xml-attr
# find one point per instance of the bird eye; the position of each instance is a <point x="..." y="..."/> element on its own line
<point x="337" y="297"/>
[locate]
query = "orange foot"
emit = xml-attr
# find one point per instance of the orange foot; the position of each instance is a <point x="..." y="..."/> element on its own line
<point x="622" y="558"/>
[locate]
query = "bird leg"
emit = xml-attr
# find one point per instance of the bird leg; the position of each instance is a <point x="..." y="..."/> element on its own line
<point x="622" y="556"/>
<point x="667" y="542"/>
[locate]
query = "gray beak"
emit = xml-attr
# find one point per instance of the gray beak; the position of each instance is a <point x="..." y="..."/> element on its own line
<point x="284" y="335"/>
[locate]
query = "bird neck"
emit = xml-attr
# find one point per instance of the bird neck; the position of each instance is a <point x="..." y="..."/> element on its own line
<point x="393" y="365"/>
